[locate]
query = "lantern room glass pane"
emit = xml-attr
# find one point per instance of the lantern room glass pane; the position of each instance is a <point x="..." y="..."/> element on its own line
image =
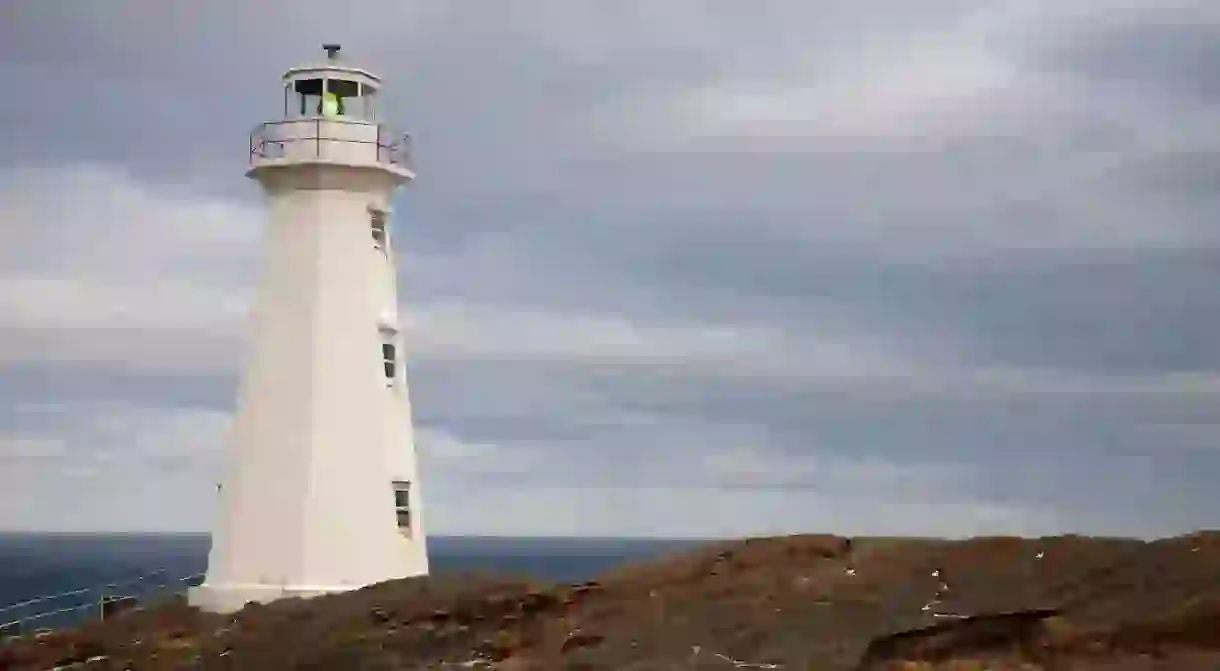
<point x="308" y="97"/>
<point x="342" y="98"/>
<point x="331" y="97"/>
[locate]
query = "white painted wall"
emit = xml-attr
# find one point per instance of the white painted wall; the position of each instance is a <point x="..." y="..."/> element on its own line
<point x="307" y="505"/>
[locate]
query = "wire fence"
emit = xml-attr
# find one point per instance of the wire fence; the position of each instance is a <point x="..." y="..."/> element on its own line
<point x="102" y="601"/>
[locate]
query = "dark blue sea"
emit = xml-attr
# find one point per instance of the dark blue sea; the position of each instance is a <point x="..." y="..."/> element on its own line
<point x="88" y="566"/>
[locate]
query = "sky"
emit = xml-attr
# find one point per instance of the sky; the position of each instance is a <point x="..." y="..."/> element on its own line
<point x="680" y="268"/>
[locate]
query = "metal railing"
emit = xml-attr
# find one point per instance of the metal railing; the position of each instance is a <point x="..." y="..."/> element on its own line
<point x="72" y="607"/>
<point x="273" y="140"/>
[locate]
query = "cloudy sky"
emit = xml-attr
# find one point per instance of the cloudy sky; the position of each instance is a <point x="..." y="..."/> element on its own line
<point x="672" y="268"/>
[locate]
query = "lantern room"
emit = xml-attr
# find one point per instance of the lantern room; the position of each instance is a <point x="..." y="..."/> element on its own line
<point x="331" y="90"/>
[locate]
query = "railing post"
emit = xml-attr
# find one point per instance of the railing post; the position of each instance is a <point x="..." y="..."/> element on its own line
<point x="317" y="136"/>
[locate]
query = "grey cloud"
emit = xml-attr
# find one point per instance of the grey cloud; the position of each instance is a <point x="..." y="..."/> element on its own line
<point x="41" y="384"/>
<point x="1189" y="174"/>
<point x="1075" y="451"/>
<point x="1060" y="227"/>
<point x="1158" y="50"/>
<point x="1121" y="312"/>
<point x="1132" y="312"/>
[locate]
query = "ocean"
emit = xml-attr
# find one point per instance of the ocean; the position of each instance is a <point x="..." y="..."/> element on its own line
<point x="80" y="567"/>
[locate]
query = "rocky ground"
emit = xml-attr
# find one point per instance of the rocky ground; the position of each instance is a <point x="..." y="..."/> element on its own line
<point x="802" y="602"/>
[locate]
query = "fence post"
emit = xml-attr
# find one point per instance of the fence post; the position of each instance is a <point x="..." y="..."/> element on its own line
<point x="10" y="630"/>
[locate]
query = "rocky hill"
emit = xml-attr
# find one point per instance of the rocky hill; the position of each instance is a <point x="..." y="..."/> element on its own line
<point x="801" y="602"/>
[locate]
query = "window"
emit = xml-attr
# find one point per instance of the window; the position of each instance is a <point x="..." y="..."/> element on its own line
<point x="369" y="95"/>
<point x="344" y="98"/>
<point x="402" y="505"/>
<point x="377" y="221"/>
<point x="308" y="97"/>
<point x="344" y="95"/>
<point x="390" y="362"/>
<point x="389" y="354"/>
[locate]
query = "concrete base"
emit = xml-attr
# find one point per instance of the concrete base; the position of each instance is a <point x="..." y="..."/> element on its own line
<point x="232" y="598"/>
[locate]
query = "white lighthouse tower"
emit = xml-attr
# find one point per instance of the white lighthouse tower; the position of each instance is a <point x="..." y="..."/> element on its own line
<point x="321" y="493"/>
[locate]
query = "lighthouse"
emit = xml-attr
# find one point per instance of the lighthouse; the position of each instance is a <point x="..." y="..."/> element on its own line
<point x="321" y="492"/>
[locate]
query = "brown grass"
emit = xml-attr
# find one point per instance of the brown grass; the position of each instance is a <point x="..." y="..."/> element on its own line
<point x="1087" y="604"/>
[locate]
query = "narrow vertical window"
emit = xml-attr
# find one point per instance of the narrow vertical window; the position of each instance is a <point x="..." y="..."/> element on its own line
<point x="389" y="360"/>
<point x="377" y="223"/>
<point x="402" y="505"/>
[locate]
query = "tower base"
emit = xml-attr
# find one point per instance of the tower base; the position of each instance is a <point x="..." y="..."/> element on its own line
<point x="226" y="599"/>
